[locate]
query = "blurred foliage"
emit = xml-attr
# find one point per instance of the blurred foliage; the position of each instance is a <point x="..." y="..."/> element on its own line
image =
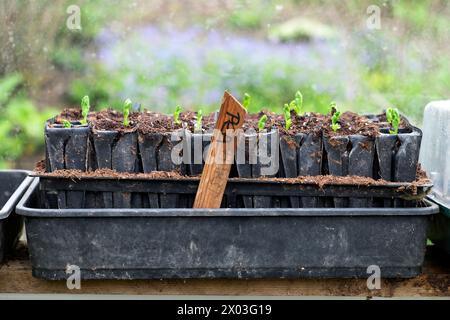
<point x="21" y="124"/>
<point x="101" y="87"/>
<point x="195" y="70"/>
<point x="302" y="29"/>
<point x="395" y="66"/>
<point x="250" y="14"/>
<point x="36" y="42"/>
<point x="68" y="59"/>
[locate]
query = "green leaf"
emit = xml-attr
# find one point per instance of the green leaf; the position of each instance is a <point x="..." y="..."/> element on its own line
<point x="393" y="117"/>
<point x="85" y="106"/>
<point x="198" y="122"/>
<point x="126" y="112"/>
<point x="247" y="100"/>
<point x="176" y="114"/>
<point x="262" y="122"/>
<point x="335" y="117"/>
<point x="66" y="124"/>
<point x="298" y="103"/>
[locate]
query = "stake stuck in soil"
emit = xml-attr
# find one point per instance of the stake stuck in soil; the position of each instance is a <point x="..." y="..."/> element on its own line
<point x="214" y="176"/>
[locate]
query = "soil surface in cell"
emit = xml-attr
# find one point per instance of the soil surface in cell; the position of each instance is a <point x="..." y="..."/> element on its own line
<point x="112" y="120"/>
<point x="381" y="121"/>
<point x="316" y="123"/>
<point x="310" y="122"/>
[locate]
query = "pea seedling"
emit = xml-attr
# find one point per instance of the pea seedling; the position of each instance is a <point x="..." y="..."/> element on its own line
<point x="85" y="106"/>
<point x="335" y="117"/>
<point x="66" y="124"/>
<point x="126" y="112"/>
<point x="198" y="120"/>
<point x="262" y="122"/>
<point x="297" y="104"/>
<point x="176" y="114"/>
<point x="246" y="102"/>
<point x="287" y="116"/>
<point x="393" y="117"/>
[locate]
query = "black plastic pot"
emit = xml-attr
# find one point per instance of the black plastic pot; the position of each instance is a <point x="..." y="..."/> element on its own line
<point x="67" y="148"/>
<point x="246" y="159"/>
<point x="117" y="151"/>
<point x="407" y="156"/>
<point x="196" y="145"/>
<point x="261" y="157"/>
<point x="165" y="163"/>
<point x="401" y="165"/>
<point x="360" y="163"/>
<point x="385" y="146"/>
<point x="156" y="155"/>
<point x="398" y="156"/>
<point x="350" y="155"/>
<point x="13" y="184"/>
<point x="268" y="150"/>
<point x="337" y="155"/>
<point x="301" y="155"/>
<point x="223" y="243"/>
<point x="148" y="147"/>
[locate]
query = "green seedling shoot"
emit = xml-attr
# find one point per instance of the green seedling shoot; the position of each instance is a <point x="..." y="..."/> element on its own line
<point x="298" y="103"/>
<point x="393" y="117"/>
<point x="66" y="124"/>
<point x="126" y="112"/>
<point x="287" y="116"/>
<point x="85" y="106"/>
<point x="198" y="120"/>
<point x="176" y="114"/>
<point x="246" y="102"/>
<point x="262" y="122"/>
<point x="335" y="126"/>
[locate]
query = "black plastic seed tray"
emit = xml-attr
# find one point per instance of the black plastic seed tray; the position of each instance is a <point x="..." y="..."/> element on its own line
<point x="223" y="243"/>
<point x="392" y="157"/>
<point x="239" y="193"/>
<point x="13" y="184"/>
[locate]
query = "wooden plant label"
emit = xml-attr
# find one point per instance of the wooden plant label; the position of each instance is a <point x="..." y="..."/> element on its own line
<point x="220" y="154"/>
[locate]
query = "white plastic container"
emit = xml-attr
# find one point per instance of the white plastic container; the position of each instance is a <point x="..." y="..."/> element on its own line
<point x="435" y="150"/>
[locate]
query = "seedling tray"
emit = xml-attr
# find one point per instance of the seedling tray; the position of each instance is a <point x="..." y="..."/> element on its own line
<point x="98" y="192"/>
<point x="223" y="243"/>
<point x="390" y="157"/>
<point x="13" y="184"/>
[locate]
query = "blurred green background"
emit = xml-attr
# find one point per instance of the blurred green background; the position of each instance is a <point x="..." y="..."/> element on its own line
<point x="163" y="53"/>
